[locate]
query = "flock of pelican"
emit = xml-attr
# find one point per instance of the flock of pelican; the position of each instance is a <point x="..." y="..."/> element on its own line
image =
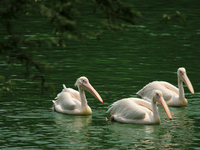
<point x="127" y="110"/>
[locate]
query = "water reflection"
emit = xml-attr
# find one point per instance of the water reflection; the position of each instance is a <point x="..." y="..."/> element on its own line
<point x="88" y="132"/>
<point x="68" y="122"/>
<point x="71" y="130"/>
<point x="168" y="134"/>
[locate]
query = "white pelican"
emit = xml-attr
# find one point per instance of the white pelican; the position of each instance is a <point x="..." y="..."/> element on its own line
<point x="138" y="111"/>
<point x="173" y="96"/>
<point x="70" y="101"/>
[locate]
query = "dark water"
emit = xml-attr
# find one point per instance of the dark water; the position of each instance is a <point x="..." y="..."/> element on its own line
<point x="117" y="65"/>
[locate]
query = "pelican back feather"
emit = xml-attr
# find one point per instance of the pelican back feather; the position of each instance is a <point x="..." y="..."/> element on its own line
<point x="127" y="108"/>
<point x="147" y="91"/>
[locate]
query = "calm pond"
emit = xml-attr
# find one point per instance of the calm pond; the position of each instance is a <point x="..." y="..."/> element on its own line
<point x="117" y="65"/>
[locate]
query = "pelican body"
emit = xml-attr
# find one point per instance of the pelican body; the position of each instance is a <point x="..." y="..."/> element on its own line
<point x="173" y="96"/>
<point x="138" y="111"/>
<point x="73" y="102"/>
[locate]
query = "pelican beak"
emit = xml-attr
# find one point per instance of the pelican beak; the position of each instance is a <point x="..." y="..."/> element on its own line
<point x="188" y="83"/>
<point x="90" y="89"/>
<point x="165" y="106"/>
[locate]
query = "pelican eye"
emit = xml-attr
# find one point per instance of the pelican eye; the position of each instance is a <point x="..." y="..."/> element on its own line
<point x="84" y="81"/>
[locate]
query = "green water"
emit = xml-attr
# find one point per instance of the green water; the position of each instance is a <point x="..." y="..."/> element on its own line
<point x="117" y="65"/>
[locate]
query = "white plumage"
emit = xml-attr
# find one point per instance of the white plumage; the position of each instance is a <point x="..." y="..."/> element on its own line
<point x="173" y="96"/>
<point x="127" y="108"/>
<point x="138" y="111"/>
<point x="70" y="101"/>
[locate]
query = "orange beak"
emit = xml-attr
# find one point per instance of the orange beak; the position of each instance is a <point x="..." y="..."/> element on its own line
<point x="90" y="89"/>
<point x="165" y="106"/>
<point x="188" y="83"/>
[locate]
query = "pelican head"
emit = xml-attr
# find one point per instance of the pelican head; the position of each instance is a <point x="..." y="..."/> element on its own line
<point x="183" y="77"/>
<point x="83" y="84"/>
<point x="158" y="97"/>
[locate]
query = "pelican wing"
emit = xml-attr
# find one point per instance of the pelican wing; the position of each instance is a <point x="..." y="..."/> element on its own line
<point x="167" y="89"/>
<point x="143" y="103"/>
<point x="170" y="87"/>
<point x="74" y="93"/>
<point x="129" y="108"/>
<point x="68" y="99"/>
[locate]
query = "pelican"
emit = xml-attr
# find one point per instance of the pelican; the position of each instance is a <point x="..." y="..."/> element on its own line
<point x="173" y="96"/>
<point x="70" y="101"/>
<point x="138" y="111"/>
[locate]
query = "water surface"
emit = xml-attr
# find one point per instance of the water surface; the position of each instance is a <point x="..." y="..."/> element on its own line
<point x="117" y="65"/>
